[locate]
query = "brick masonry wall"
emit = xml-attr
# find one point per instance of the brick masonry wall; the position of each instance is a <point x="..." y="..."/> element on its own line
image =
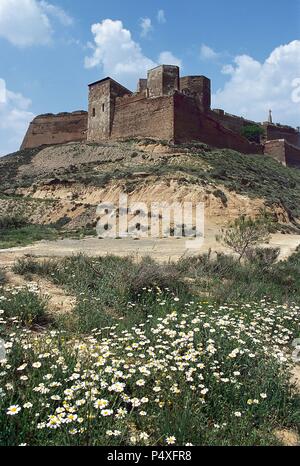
<point x="192" y="124"/>
<point x="136" y="116"/>
<point x="163" y="80"/>
<point x="280" y="132"/>
<point x="56" y="129"/>
<point x="232" y="122"/>
<point x="276" y="149"/>
<point x="198" y="87"/>
<point x="99" y="111"/>
<point x="292" y="155"/>
<point x="285" y="153"/>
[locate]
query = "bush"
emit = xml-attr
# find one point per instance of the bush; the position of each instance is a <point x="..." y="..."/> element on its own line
<point x="8" y="222"/>
<point x="253" y="133"/>
<point x="264" y="257"/>
<point x="244" y="233"/>
<point x="25" y="305"/>
<point x="149" y="274"/>
<point x="2" y="277"/>
<point x="31" y="266"/>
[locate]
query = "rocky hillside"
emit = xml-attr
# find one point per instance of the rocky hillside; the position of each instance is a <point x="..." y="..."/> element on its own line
<point x="64" y="184"/>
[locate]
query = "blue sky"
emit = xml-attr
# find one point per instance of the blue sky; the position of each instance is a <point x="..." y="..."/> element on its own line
<point x="48" y="53"/>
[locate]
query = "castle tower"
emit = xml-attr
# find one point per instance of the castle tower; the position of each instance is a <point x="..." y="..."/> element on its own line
<point x="198" y="87"/>
<point x="102" y="96"/>
<point x="163" y="81"/>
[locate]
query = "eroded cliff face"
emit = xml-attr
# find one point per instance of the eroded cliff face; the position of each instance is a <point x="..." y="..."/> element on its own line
<point x="52" y="129"/>
<point x="67" y="182"/>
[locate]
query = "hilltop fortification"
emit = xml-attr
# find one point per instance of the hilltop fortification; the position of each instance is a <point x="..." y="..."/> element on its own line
<point x="165" y="107"/>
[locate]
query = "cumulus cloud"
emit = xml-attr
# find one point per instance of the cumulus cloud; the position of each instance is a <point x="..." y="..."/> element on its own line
<point x="254" y="87"/>
<point x="57" y="12"/>
<point x="146" y="26"/>
<point x="161" y="17"/>
<point x="119" y="56"/>
<point x="168" y="58"/>
<point x="207" y="53"/>
<point x="29" y="22"/>
<point x="15" y="115"/>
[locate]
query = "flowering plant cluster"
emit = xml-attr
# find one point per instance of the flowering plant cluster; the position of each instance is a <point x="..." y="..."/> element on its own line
<point x="200" y="374"/>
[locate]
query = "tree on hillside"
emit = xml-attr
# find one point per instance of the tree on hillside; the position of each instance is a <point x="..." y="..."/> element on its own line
<point x="244" y="233"/>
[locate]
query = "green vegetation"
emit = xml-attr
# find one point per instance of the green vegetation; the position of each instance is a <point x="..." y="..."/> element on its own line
<point x="253" y="133"/>
<point x="256" y="176"/>
<point x="2" y="277"/>
<point x="243" y="234"/>
<point x="109" y="283"/>
<point x="11" y="222"/>
<point x="174" y="354"/>
<point x="25" y="305"/>
<point x="26" y="235"/>
<point x="193" y="352"/>
<point x="16" y="231"/>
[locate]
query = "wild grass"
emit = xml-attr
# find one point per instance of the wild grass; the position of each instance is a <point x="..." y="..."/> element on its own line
<point x="194" y="373"/>
<point x="153" y="354"/>
<point x="16" y="231"/>
<point x="25" y="305"/>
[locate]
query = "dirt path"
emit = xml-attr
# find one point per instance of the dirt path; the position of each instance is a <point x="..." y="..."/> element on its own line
<point x="159" y="249"/>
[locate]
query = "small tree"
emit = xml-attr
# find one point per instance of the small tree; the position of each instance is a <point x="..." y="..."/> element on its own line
<point x="244" y="233"/>
<point x="253" y="133"/>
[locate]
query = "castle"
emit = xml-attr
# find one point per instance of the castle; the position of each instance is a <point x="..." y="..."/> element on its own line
<point x="164" y="107"/>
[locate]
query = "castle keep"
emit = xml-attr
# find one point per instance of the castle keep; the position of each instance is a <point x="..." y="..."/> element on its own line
<point x="164" y="107"/>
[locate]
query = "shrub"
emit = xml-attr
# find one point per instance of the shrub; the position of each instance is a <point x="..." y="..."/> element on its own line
<point x="25" y="305"/>
<point x="31" y="266"/>
<point x="264" y="257"/>
<point x="244" y="233"/>
<point x="219" y="194"/>
<point x="2" y="277"/>
<point x="9" y="222"/>
<point x="253" y="133"/>
<point x="149" y="274"/>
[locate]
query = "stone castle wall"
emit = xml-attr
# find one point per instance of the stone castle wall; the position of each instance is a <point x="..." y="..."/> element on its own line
<point x="232" y="122"/>
<point x="138" y="116"/>
<point x="102" y="99"/>
<point x="198" y="87"/>
<point x="282" y="132"/>
<point x="56" y="129"/>
<point x="193" y="124"/>
<point x="283" y="152"/>
<point x="165" y="107"/>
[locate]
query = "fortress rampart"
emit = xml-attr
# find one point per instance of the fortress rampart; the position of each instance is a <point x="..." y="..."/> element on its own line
<point x="51" y="129"/>
<point x="164" y="107"/>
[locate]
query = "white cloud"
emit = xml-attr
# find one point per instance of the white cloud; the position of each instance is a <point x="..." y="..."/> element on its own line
<point x="119" y="56"/>
<point x="167" y="58"/>
<point x="161" y="17"/>
<point x="255" y="87"/>
<point x="2" y="91"/>
<point x="117" y="53"/>
<point x="207" y="53"/>
<point x="56" y="12"/>
<point x="146" y="26"/>
<point x="14" y="119"/>
<point x="29" y="22"/>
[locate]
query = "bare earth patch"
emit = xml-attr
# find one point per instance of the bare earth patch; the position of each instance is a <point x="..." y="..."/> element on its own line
<point x="288" y="438"/>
